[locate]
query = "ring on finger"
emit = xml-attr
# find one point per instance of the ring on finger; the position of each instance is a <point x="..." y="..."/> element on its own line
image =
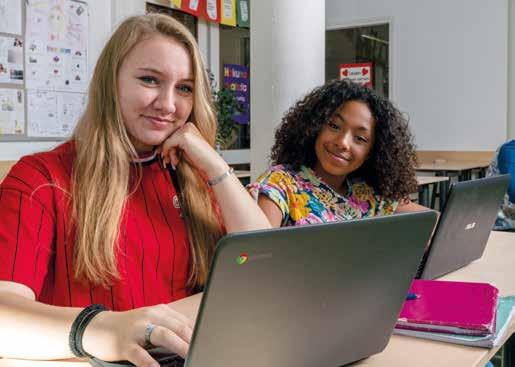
<point x="148" y="332"/>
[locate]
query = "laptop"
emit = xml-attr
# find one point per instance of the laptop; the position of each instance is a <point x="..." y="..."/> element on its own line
<point x="315" y="295"/>
<point x="464" y="226"/>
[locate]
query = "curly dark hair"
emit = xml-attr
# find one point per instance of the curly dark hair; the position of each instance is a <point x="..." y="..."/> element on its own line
<point x="390" y="167"/>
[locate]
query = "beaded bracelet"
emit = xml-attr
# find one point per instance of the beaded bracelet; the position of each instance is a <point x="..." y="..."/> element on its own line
<point x="79" y="326"/>
<point x="216" y="180"/>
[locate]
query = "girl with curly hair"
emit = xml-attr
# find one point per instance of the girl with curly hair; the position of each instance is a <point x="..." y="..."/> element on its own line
<point x="342" y="152"/>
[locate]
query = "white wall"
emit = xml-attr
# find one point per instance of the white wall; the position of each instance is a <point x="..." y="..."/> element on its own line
<point x="448" y="66"/>
<point x="99" y="30"/>
<point x="121" y="9"/>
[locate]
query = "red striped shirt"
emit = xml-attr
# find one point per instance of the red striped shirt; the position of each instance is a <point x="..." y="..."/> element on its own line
<point x="36" y="245"/>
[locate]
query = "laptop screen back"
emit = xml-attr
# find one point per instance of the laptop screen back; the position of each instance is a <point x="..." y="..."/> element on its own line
<point x="318" y="295"/>
<point x="465" y="224"/>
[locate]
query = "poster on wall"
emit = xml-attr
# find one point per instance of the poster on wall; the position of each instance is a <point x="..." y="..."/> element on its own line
<point x="360" y="73"/>
<point x="237" y="79"/>
<point x="56" y="42"/>
<point x="228" y="14"/>
<point x="210" y="10"/>
<point x="243" y="13"/>
<point x="191" y="7"/>
<point x="11" y="60"/>
<point x="12" y="112"/>
<point x="10" y="16"/>
<point x="53" y="114"/>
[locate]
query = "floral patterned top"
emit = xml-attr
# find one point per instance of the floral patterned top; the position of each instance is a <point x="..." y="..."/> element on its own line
<point x="304" y="198"/>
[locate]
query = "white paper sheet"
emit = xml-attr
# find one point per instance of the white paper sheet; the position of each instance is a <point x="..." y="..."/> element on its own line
<point x="53" y="114"/>
<point x="56" y="45"/>
<point x="10" y="16"/>
<point x="12" y="112"/>
<point x="11" y="60"/>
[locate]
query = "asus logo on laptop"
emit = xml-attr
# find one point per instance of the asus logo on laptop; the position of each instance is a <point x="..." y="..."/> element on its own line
<point x="470" y="226"/>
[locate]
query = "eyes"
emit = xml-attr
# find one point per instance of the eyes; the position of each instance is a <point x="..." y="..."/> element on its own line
<point x="359" y="138"/>
<point x="333" y="126"/>
<point x="152" y="81"/>
<point x="185" y="88"/>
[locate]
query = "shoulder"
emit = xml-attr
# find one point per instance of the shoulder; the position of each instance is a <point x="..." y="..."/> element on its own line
<point x="277" y="181"/>
<point x="364" y="192"/>
<point x="278" y="174"/>
<point x="32" y="171"/>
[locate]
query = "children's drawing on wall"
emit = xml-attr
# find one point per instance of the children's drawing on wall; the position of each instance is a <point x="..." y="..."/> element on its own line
<point x="57" y="41"/>
<point x="10" y="16"/>
<point x="11" y="60"/>
<point x="12" y="112"/>
<point x="53" y="114"/>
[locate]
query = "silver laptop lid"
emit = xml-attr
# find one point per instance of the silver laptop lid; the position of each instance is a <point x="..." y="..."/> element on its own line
<point x="318" y="295"/>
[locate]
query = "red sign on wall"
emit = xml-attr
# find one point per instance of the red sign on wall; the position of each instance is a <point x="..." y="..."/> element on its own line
<point x="191" y="6"/>
<point x="210" y="10"/>
<point x="358" y="73"/>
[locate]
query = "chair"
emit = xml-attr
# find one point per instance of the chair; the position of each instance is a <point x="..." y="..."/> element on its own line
<point x="5" y="167"/>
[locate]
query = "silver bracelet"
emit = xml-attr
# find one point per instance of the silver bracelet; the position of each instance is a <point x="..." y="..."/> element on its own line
<point x="216" y="180"/>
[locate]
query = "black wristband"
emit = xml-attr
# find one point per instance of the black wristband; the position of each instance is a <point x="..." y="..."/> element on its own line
<point x="79" y="326"/>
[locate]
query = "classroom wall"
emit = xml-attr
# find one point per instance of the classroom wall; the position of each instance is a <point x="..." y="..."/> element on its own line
<point x="456" y="102"/>
<point x="104" y="16"/>
<point x="99" y="30"/>
<point x="449" y="66"/>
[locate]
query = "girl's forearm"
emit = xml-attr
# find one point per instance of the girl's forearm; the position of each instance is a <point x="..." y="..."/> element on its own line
<point x="33" y="330"/>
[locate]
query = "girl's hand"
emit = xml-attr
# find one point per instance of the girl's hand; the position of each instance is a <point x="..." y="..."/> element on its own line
<point x="113" y="336"/>
<point x="187" y="143"/>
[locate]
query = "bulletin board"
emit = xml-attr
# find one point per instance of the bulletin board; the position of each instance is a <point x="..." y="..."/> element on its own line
<point x="43" y="68"/>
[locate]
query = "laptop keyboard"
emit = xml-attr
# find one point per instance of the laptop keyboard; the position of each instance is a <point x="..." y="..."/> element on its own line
<point x="171" y="361"/>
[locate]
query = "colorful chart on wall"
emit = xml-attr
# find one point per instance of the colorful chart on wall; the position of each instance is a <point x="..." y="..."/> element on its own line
<point x="56" y="42"/>
<point x="56" y="48"/>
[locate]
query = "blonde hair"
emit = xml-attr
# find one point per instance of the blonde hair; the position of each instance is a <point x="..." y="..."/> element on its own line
<point x="100" y="181"/>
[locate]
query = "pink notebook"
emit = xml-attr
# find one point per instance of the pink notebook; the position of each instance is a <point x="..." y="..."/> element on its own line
<point x="450" y="307"/>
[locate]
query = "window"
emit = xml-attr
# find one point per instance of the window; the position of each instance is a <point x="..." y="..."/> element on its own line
<point x="368" y="44"/>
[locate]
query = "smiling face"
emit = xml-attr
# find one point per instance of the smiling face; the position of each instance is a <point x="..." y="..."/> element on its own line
<point x="155" y="85"/>
<point x="344" y="143"/>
